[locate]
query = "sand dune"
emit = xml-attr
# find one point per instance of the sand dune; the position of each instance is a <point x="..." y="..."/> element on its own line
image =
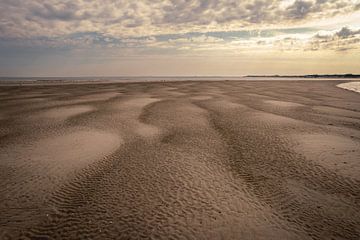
<point x="180" y="160"/>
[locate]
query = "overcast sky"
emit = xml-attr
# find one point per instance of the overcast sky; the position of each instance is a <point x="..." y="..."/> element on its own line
<point x="178" y="37"/>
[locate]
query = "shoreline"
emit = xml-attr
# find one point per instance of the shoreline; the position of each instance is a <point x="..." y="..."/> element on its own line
<point x="59" y="82"/>
<point x="350" y="86"/>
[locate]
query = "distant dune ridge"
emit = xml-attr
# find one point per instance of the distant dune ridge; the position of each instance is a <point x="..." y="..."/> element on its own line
<point x="180" y="160"/>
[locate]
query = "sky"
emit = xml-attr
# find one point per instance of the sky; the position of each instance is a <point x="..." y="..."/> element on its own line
<point x="178" y="37"/>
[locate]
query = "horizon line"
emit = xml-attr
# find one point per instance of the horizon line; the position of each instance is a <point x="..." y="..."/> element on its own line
<point x="174" y="76"/>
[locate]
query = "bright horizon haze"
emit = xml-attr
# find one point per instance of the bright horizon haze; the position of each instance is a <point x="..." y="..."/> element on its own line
<point x="217" y="37"/>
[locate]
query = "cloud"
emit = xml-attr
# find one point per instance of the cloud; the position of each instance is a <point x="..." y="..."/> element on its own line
<point x="63" y="12"/>
<point x="300" y="9"/>
<point x="174" y="26"/>
<point x="341" y="40"/>
<point x="193" y="43"/>
<point x="151" y="17"/>
<point x="345" y="32"/>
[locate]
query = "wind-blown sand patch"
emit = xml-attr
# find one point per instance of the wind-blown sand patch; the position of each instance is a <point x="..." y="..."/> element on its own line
<point x="100" y="96"/>
<point x="337" y="111"/>
<point x="77" y="148"/>
<point x="138" y="103"/>
<point x="63" y="113"/>
<point x="55" y="157"/>
<point x="257" y="96"/>
<point x="131" y="110"/>
<point x="44" y="164"/>
<point x="201" y="97"/>
<point x="95" y="97"/>
<point x="352" y="86"/>
<point x="170" y="91"/>
<point x="226" y="104"/>
<point x="337" y="153"/>
<point x="283" y="103"/>
<point x="274" y="119"/>
<point x="42" y="167"/>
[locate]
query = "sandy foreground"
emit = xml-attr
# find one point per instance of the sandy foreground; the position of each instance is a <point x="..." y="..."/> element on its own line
<point x="180" y="160"/>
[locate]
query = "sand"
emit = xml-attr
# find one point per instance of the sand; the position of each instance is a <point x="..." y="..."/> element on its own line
<point x="283" y="104"/>
<point x="180" y="160"/>
<point x="63" y="113"/>
<point x="334" y="152"/>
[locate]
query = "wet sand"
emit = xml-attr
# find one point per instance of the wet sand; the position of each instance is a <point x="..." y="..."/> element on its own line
<point x="180" y="160"/>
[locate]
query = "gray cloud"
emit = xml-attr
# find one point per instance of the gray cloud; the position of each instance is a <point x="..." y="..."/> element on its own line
<point x="345" y="32"/>
<point x="300" y="9"/>
<point x="169" y="25"/>
<point x="55" y="17"/>
<point x="63" y="12"/>
<point x="342" y="40"/>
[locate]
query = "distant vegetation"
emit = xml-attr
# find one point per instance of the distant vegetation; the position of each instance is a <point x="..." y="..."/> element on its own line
<point x="349" y="75"/>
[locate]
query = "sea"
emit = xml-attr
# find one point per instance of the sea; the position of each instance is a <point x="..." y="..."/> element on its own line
<point x="348" y="84"/>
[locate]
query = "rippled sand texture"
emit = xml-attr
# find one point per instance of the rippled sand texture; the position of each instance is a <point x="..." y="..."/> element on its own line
<point x="180" y="160"/>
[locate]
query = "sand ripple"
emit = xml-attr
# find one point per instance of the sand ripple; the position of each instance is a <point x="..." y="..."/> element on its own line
<point x="180" y="160"/>
<point x="331" y="151"/>
<point x="31" y="172"/>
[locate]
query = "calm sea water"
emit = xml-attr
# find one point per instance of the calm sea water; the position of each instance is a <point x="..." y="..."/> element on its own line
<point x="79" y="80"/>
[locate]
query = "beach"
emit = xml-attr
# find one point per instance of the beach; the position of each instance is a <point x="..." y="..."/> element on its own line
<point x="180" y="160"/>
